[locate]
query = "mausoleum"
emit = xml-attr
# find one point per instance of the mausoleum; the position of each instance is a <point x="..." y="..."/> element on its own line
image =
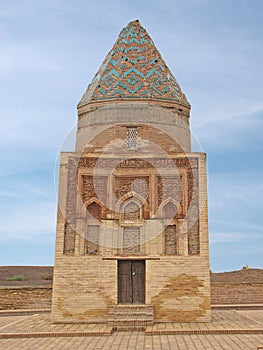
<point x="132" y="226"/>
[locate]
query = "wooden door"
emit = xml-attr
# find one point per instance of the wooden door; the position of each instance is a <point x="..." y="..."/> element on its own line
<point x="138" y="281"/>
<point x="131" y="282"/>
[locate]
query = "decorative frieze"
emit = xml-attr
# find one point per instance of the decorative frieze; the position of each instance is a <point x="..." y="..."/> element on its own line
<point x="169" y="187"/>
<point x="126" y="184"/>
<point x="69" y="230"/>
<point x="137" y="163"/>
<point x="94" y="187"/>
<point x="181" y="188"/>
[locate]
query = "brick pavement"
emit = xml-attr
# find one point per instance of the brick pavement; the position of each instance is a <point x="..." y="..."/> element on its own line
<point x="138" y="340"/>
<point x="245" y="330"/>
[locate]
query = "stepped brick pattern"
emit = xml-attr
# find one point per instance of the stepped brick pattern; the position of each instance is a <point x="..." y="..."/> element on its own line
<point x="131" y="317"/>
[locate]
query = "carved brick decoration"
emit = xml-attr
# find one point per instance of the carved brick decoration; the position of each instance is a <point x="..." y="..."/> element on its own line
<point x="124" y="184"/>
<point x="191" y="184"/>
<point x="136" y="163"/>
<point x="194" y="239"/>
<point x="92" y="240"/>
<point x="193" y="209"/>
<point x="169" y="187"/>
<point x="71" y="193"/>
<point x="131" y="211"/>
<point x="131" y="240"/>
<point x="69" y="239"/>
<point x="94" y="186"/>
<point x="87" y="162"/>
<point x="170" y="240"/>
<point x="192" y="180"/>
<point x="69" y="232"/>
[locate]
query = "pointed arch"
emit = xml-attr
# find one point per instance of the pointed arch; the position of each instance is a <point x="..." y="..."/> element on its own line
<point x="168" y="209"/>
<point x="93" y="209"/>
<point x="92" y="236"/>
<point x="130" y="195"/>
<point x="131" y="210"/>
<point x="132" y="206"/>
<point x="132" y="199"/>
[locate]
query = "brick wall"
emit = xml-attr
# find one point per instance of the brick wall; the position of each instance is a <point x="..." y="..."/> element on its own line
<point x="25" y="298"/>
<point x="34" y="298"/>
<point x="237" y="293"/>
<point x="106" y="126"/>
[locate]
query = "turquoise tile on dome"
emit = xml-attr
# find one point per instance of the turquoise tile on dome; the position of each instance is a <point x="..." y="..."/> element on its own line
<point x="133" y="62"/>
<point x="132" y="80"/>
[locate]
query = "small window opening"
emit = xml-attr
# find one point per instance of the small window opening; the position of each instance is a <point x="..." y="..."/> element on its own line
<point x="131" y="138"/>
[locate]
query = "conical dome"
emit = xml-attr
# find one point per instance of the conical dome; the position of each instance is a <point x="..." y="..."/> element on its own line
<point x="134" y="70"/>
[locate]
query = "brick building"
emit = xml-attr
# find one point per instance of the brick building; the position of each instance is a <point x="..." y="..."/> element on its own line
<point x="132" y="230"/>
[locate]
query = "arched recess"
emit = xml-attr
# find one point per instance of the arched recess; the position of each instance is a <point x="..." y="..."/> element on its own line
<point x="132" y="206"/>
<point x="93" y="209"/>
<point x="92" y="235"/>
<point x="131" y="211"/>
<point x="169" y="209"/>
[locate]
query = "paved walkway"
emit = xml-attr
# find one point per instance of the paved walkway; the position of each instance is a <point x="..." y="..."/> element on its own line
<point x="229" y="330"/>
<point x="140" y="341"/>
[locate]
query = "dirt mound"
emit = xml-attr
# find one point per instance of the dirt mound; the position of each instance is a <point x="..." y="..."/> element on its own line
<point x="247" y="276"/>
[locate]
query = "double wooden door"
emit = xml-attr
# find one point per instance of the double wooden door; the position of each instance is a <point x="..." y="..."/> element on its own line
<point x="131" y="281"/>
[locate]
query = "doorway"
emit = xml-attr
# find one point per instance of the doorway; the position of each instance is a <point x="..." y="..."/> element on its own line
<point x="131" y="281"/>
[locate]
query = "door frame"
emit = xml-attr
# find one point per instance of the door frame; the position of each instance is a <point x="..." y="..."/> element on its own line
<point x="131" y="282"/>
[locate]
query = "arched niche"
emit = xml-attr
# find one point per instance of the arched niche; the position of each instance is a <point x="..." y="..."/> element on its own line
<point x="93" y="211"/>
<point x="131" y="211"/>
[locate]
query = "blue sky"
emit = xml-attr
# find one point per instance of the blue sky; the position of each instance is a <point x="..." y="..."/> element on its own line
<point x="49" y="52"/>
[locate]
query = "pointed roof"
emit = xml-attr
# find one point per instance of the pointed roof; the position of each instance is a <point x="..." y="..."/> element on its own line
<point x="134" y="69"/>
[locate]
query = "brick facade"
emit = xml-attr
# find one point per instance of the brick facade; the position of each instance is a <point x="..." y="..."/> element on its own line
<point x="132" y="191"/>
